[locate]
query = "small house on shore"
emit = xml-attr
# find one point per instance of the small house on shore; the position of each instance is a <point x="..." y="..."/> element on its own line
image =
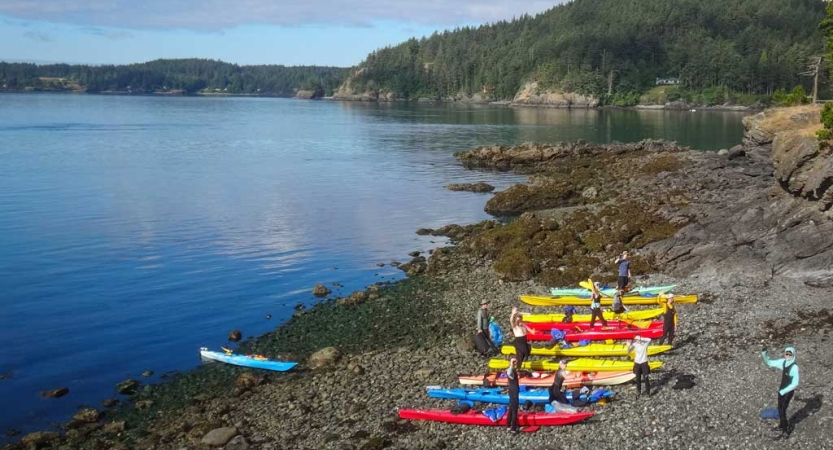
<point x="668" y="81"/>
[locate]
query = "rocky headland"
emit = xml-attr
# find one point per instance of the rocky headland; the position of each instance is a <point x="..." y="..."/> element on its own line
<point x="748" y="230"/>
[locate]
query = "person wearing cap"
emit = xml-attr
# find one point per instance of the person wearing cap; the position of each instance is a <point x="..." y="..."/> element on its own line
<point x="519" y="331"/>
<point x="639" y="346"/>
<point x="485" y="346"/>
<point x="789" y="381"/>
<point x="624" y="270"/>
<point x="669" y="319"/>
<point x="596" y="306"/>
<point x="556" y="395"/>
<point x="495" y="333"/>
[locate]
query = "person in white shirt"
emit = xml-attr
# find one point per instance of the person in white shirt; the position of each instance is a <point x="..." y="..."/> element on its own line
<point x="639" y="346"/>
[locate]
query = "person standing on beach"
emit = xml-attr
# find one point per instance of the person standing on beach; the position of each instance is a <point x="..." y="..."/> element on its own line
<point x="789" y="381"/>
<point x="669" y="320"/>
<point x="556" y="395"/>
<point x="639" y="346"/>
<point x="519" y="330"/>
<point x="624" y="270"/>
<point x="596" y="306"/>
<point x="514" y="394"/>
<point x="483" y="343"/>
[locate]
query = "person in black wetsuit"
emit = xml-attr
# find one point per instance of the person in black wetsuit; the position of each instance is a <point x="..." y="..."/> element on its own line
<point x="789" y="382"/>
<point x="669" y="320"/>
<point x="519" y="331"/>
<point x="558" y="384"/>
<point x="596" y="306"/>
<point x="514" y="395"/>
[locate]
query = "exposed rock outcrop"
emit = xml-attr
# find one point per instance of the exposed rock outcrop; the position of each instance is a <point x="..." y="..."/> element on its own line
<point x="765" y="232"/>
<point x="471" y="187"/>
<point x="531" y="95"/>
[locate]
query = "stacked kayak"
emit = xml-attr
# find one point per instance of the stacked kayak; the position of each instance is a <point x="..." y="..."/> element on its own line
<point x="537" y="379"/>
<point x="646" y="314"/>
<point x="253" y="361"/>
<point x="597" y="334"/>
<point x="584" y="326"/>
<point x="578" y="365"/>
<point x="582" y="300"/>
<point x="609" y="291"/>
<point x="479" y="418"/>
<point x="587" y="350"/>
<point x="500" y="396"/>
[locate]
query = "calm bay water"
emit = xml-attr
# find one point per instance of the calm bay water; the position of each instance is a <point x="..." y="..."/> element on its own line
<point x="134" y="230"/>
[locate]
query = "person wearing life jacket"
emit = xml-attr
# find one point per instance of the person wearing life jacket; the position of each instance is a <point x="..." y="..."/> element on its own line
<point x="596" y="306"/>
<point x="639" y="346"/>
<point x="789" y="381"/>
<point x="669" y="320"/>
<point x="495" y="332"/>
<point x="519" y="331"/>
<point x="514" y="394"/>
<point x="556" y="395"/>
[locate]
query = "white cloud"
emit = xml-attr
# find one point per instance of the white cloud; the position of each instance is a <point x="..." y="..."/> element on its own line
<point x="213" y="15"/>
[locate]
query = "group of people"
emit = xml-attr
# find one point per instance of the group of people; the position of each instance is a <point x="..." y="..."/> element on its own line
<point x="489" y="336"/>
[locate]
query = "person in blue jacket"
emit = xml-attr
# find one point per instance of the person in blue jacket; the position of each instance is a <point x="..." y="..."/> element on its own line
<point x="789" y="381"/>
<point x="495" y="332"/>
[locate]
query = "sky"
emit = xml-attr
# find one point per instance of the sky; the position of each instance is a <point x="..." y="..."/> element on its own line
<point x="305" y="32"/>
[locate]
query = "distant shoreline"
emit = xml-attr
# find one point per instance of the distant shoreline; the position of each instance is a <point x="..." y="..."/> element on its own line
<point x="507" y="103"/>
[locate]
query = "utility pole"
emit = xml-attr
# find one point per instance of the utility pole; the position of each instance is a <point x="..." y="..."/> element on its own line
<point x="814" y="67"/>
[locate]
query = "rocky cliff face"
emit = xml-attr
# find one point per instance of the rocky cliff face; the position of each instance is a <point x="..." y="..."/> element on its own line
<point x="778" y="226"/>
<point x="531" y="95"/>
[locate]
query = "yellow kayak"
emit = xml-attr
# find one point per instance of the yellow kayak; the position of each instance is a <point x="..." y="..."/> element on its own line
<point x="606" y="301"/>
<point x="576" y="365"/>
<point x="646" y="314"/>
<point x="587" y="350"/>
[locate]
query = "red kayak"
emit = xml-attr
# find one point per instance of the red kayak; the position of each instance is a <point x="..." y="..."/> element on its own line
<point x="537" y="327"/>
<point x="599" y="334"/>
<point x="472" y="417"/>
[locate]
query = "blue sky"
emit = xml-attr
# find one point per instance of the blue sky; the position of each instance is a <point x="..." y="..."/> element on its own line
<point x="320" y="32"/>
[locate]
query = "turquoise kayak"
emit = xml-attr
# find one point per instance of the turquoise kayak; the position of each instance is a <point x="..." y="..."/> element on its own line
<point x="253" y="361"/>
<point x="499" y="395"/>
<point x="642" y="291"/>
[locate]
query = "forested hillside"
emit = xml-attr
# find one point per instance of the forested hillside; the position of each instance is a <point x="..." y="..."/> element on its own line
<point x="613" y="49"/>
<point x="186" y="75"/>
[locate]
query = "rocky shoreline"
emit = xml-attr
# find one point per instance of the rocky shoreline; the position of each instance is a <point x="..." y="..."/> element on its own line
<point x="764" y="279"/>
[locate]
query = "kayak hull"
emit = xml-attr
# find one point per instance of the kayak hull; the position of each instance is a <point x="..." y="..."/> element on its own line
<point x="599" y="334"/>
<point x="585" y="326"/>
<point x="605" y="301"/>
<point x="499" y="395"/>
<point x="537" y="379"/>
<point x="246" y="361"/>
<point x="578" y="365"/>
<point x="607" y="350"/>
<point x="639" y="290"/>
<point x="646" y="314"/>
<point x="525" y="419"/>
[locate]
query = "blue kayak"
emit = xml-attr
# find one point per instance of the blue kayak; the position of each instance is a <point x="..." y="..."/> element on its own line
<point x="499" y="395"/>
<point x="253" y="361"/>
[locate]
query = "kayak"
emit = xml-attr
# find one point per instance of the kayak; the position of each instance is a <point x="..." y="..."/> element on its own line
<point x="579" y="365"/>
<point x="587" y="350"/>
<point x="644" y="314"/>
<point x="539" y="379"/>
<point x="500" y="396"/>
<point x="639" y="290"/>
<point x="472" y="417"/>
<point x="253" y="361"/>
<point x="584" y="326"/>
<point x="599" y="333"/>
<point x="605" y="301"/>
